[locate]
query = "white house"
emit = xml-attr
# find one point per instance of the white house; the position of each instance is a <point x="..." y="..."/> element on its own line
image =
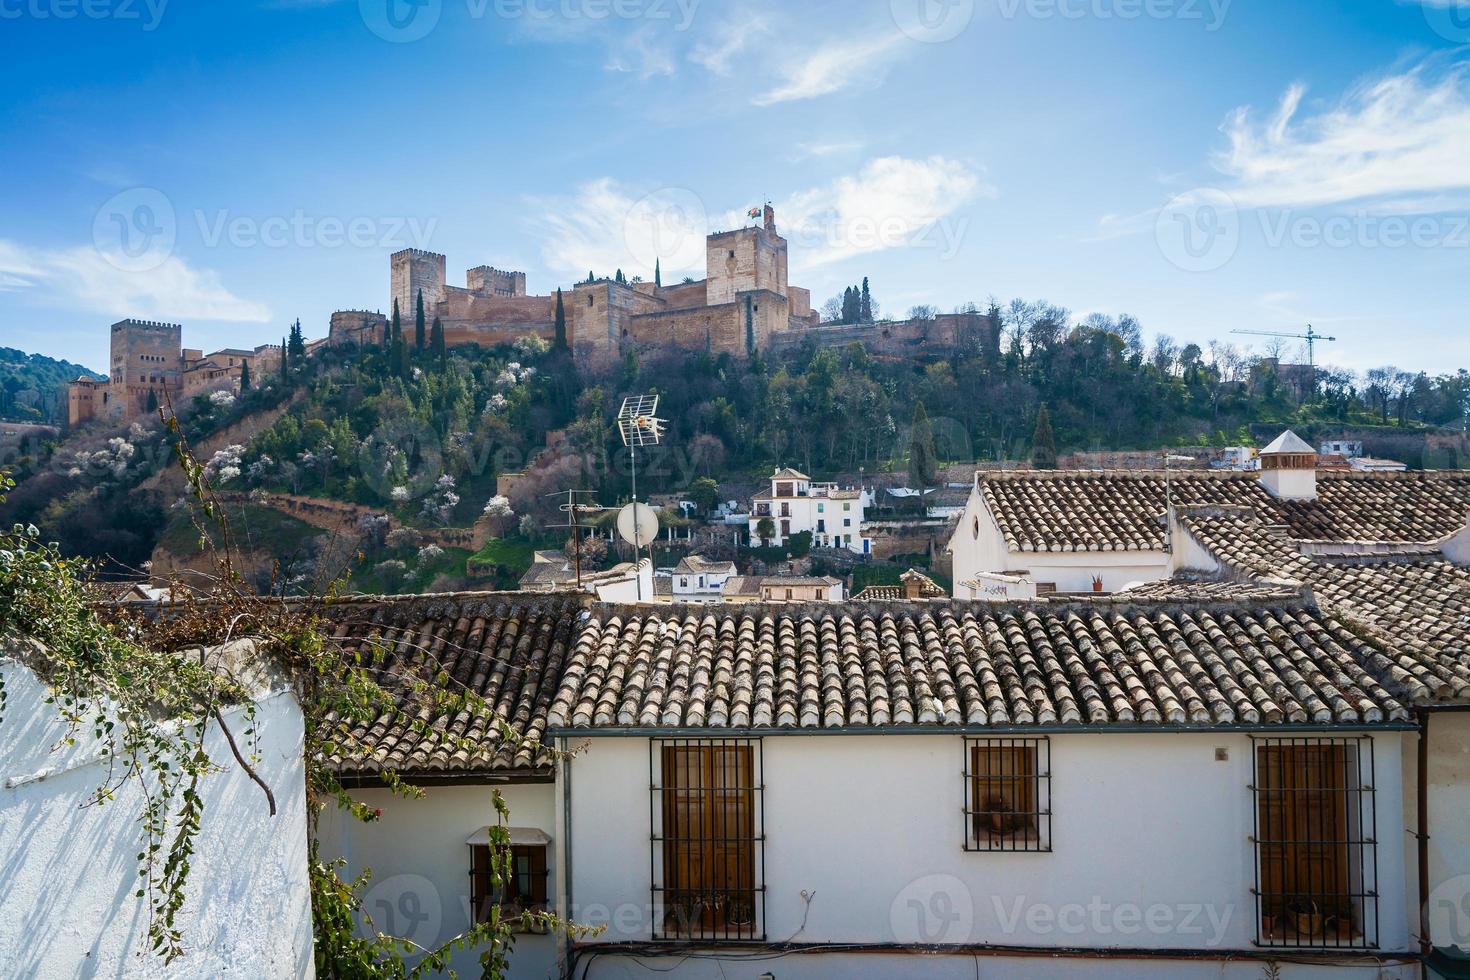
<point x="697" y="579"/>
<point x="1086" y="789"/>
<point x="1200" y="782"/>
<point x="70" y="866"/>
<point x="1097" y="531"/>
<point x="793" y="504"/>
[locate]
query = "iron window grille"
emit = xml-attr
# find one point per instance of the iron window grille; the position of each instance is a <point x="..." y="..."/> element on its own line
<point x="1007" y="794"/>
<point x="515" y="888"/>
<point x="707" y="854"/>
<point x="1316" y="842"/>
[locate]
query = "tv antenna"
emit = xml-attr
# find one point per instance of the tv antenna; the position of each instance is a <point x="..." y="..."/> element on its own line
<point x="639" y="425"/>
<point x="573" y="508"/>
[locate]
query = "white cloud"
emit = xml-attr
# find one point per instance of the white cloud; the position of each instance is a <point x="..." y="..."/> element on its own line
<point x="639" y="54"/>
<point x="817" y="148"/>
<point x="735" y="38"/>
<point x="893" y="202"/>
<point x="1396" y="141"/>
<point x="834" y="67"/>
<point x="83" y="278"/>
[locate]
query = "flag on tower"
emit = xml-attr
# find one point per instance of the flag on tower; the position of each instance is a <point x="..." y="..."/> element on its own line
<point x="753" y="213"/>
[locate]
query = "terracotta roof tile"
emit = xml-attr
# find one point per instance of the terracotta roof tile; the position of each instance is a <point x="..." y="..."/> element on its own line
<point x="1123" y="510"/>
<point x="979" y="664"/>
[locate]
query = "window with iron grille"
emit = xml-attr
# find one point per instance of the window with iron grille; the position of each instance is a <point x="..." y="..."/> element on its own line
<point x="516" y="888"/>
<point x="708" y="839"/>
<point x="1316" y="842"/>
<point x="1007" y="794"/>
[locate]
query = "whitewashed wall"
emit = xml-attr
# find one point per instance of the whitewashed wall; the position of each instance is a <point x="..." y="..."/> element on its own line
<point x="1449" y="828"/>
<point x="420" y="887"/>
<point x="69" y="871"/>
<point x="871" y="828"/>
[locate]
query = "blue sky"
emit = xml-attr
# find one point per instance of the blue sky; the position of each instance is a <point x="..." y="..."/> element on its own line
<point x="1205" y="165"/>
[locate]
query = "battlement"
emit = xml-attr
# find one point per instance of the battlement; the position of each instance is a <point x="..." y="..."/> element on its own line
<point x="131" y="324"/>
<point x="417" y="253"/>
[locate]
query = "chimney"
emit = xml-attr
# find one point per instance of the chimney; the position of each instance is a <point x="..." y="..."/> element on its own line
<point x="1289" y="468"/>
<point x="913" y="586"/>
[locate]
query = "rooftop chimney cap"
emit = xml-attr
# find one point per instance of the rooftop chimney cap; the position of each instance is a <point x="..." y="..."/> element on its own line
<point x="1288" y="442"/>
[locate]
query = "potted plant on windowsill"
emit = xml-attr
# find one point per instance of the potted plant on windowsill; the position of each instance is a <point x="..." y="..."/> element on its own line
<point x="742" y="914"/>
<point x="1305" y="916"/>
<point x="996" y="817"/>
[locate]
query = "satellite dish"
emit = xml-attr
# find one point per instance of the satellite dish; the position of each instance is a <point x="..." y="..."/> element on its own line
<point x="638" y="525"/>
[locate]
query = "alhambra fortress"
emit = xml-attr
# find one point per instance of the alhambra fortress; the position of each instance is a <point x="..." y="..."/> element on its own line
<point x="744" y="303"/>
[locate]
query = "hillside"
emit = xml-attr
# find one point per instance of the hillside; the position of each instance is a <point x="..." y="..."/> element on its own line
<point x="33" y="386"/>
<point x="415" y="441"/>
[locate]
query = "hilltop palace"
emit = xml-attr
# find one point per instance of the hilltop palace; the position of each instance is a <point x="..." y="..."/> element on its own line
<point x="743" y="304"/>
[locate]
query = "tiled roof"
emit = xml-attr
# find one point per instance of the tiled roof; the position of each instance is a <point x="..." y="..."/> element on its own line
<point x="742" y="585"/>
<point x="787" y="473"/>
<point x="928" y="589"/>
<point x="508" y="648"/>
<point x="697" y="564"/>
<point x="789" y="580"/>
<point x="966" y="664"/>
<point x="1416" y="604"/>
<point x="1123" y="510"/>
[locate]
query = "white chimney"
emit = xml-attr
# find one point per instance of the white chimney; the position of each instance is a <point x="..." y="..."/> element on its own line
<point x="1289" y="468"/>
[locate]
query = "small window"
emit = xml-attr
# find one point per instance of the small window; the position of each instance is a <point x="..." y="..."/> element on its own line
<point x="522" y="889"/>
<point x="1046" y="588"/>
<point x="708" y="839"/>
<point x="1316" y="843"/>
<point x="975" y="528"/>
<point x="1008" y="794"/>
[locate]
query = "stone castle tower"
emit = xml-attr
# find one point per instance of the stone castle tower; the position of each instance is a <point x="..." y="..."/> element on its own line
<point x="414" y="269"/>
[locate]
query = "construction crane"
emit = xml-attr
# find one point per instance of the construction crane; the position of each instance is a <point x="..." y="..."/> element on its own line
<point x="1311" y="337"/>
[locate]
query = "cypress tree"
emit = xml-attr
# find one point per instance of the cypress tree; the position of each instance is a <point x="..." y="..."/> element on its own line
<point x="1043" y="443"/>
<point x="658" y="279"/>
<point x="865" y="304"/>
<point x="285" y="358"/>
<point x="749" y="325"/>
<point x="436" y="343"/>
<point x="393" y="326"/>
<point x="561" y="322"/>
<point x="418" y="323"/>
<point x="298" y="344"/>
<point x="923" y="465"/>
<point x="244" y="376"/>
<point x="152" y="405"/>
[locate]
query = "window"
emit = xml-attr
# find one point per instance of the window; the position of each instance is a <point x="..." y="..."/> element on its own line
<point x="525" y="880"/>
<point x="847" y="506"/>
<point x="1316" y="842"/>
<point x="1008" y="794"/>
<point x="708" y="852"/>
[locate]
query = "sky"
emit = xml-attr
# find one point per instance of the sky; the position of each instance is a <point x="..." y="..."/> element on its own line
<point x="1204" y="165"/>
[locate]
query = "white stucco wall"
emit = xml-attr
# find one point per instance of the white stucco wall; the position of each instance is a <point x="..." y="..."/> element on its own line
<point x="871" y="828"/>
<point x="69" y="870"/>
<point x="1449" y="828"/>
<point x="420" y="887"/>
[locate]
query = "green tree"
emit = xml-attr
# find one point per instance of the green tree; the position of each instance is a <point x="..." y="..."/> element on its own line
<point x="152" y="405"/>
<point x="394" y="326"/>
<point x="923" y="465"/>
<point x="244" y="376"/>
<point x="865" y="304"/>
<point x="418" y="323"/>
<point x="436" y="344"/>
<point x="765" y="529"/>
<point x="561" y="322"/>
<point x="1043" y="443"/>
<point x="285" y="359"/>
<point x="705" y="493"/>
<point x="297" y="344"/>
<point x="658" y="278"/>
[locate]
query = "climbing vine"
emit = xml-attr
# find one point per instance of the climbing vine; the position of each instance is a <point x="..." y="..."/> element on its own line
<point x="145" y="690"/>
